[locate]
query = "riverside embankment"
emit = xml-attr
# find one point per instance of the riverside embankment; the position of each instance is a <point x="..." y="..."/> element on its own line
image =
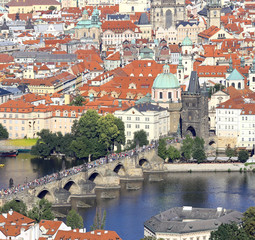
<point x="207" y="167"/>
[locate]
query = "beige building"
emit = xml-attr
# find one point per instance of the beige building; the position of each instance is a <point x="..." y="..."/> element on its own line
<point x="216" y="99"/>
<point x="28" y="6"/>
<point x="190" y="29"/>
<point x="68" y="3"/>
<point x="154" y="120"/>
<point x="23" y="119"/>
<point x="63" y="82"/>
<point x="133" y="6"/>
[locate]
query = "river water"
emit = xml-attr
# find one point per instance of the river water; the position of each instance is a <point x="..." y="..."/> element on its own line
<point x="127" y="212"/>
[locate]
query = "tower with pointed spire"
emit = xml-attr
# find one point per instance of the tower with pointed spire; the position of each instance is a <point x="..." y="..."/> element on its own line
<point x="180" y="71"/>
<point x="194" y="114"/>
<point x="214" y="13"/>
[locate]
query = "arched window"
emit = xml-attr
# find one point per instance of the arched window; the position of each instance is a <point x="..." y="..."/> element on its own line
<point x="239" y="85"/>
<point x="160" y="95"/>
<point x="233" y="84"/>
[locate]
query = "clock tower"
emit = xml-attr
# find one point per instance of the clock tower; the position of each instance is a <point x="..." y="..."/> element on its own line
<point x="213" y="13"/>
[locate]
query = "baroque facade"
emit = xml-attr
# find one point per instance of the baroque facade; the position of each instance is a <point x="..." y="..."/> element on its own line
<point x="167" y="13"/>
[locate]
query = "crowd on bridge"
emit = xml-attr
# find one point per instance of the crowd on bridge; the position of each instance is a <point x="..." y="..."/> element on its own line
<point x="74" y="170"/>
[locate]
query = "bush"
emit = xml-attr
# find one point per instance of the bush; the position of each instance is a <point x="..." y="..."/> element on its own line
<point x="243" y="156"/>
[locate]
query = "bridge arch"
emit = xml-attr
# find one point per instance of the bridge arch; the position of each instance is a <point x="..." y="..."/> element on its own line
<point x="144" y="163"/>
<point x="72" y="187"/>
<point x="46" y="194"/>
<point x="191" y="131"/>
<point x="96" y="178"/>
<point x="120" y="169"/>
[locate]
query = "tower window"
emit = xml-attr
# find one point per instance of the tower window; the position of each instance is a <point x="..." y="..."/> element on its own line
<point x="160" y="95"/>
<point x="169" y="95"/>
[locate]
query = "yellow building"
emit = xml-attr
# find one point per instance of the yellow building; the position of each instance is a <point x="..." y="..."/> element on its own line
<point x="62" y="82"/>
<point x="28" y="6"/>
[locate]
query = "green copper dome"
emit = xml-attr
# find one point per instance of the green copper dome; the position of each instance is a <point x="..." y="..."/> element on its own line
<point x="166" y="80"/>
<point x="187" y="42"/>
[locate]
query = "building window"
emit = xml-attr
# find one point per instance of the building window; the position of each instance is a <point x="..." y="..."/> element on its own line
<point x="147" y="126"/>
<point x="137" y="119"/>
<point x="169" y="95"/>
<point x="128" y="125"/>
<point x="137" y="126"/>
<point x="160" y="95"/>
<point x="147" y="119"/>
<point x="128" y="118"/>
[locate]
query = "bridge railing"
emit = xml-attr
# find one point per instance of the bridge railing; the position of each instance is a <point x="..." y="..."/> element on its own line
<point x="11" y="192"/>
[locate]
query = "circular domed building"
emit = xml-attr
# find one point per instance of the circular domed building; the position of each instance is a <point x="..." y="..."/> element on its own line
<point x="166" y="87"/>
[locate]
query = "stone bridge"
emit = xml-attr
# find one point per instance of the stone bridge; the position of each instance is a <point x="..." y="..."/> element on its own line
<point x="83" y="184"/>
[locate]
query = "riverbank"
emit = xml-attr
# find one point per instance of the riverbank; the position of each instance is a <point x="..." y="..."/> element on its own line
<point x="11" y="144"/>
<point x="207" y="167"/>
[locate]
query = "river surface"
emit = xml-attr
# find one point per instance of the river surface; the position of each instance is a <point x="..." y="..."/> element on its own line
<point x="127" y="212"/>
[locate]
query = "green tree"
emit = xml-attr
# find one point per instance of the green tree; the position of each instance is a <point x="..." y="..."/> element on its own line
<point x="74" y="220"/>
<point x="198" y="143"/>
<point x="140" y="138"/>
<point x="121" y="138"/>
<point x="162" y="152"/>
<point x="43" y="210"/>
<point x="52" y="8"/>
<point x="229" y="232"/>
<point x="243" y="156"/>
<point x="173" y="153"/>
<point x="17" y="206"/>
<point x="99" y="220"/>
<point x="108" y="130"/>
<point x="249" y="222"/>
<point x="3" y="132"/>
<point x="78" y="101"/>
<point x="199" y="154"/>
<point x="187" y="146"/>
<point x="46" y="143"/>
<point x="87" y="125"/>
<point x="230" y="152"/>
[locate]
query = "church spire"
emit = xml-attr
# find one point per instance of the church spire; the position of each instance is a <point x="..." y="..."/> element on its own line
<point x="180" y="66"/>
<point x="194" y="83"/>
<point x="230" y="69"/>
<point x="242" y="62"/>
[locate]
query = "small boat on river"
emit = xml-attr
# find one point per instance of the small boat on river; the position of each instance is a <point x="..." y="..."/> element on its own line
<point x="12" y="153"/>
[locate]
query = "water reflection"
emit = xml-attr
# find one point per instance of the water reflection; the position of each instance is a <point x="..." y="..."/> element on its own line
<point x="128" y="211"/>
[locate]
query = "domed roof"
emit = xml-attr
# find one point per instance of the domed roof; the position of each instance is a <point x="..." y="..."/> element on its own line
<point x="187" y="42"/>
<point x="166" y="80"/>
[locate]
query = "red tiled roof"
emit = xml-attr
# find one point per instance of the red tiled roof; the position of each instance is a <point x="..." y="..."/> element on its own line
<point x="209" y="32"/>
<point x="94" y="235"/>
